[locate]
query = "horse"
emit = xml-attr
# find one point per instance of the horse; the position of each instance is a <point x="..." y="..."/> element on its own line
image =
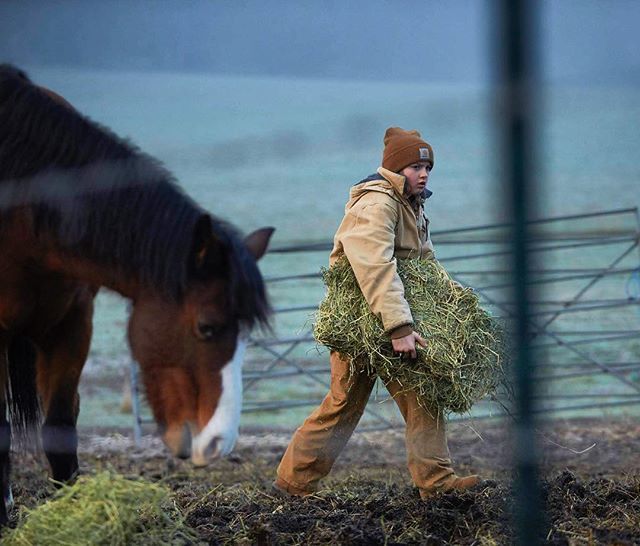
<point x="81" y="209"/>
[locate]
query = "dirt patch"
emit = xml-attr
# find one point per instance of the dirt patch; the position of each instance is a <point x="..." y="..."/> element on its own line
<point x="365" y="509"/>
<point x="592" y="494"/>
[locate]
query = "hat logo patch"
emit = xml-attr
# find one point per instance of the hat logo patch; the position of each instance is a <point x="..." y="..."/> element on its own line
<point x="424" y="153"/>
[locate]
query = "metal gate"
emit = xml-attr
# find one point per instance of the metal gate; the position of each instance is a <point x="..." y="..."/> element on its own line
<point x="586" y="319"/>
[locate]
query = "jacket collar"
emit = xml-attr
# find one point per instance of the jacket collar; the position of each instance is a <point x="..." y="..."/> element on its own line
<point x="397" y="182"/>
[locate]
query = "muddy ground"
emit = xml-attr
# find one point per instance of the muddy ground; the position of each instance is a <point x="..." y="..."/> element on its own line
<point x="592" y="492"/>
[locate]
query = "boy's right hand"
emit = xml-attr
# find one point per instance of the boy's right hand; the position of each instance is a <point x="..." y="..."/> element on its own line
<point x="406" y="345"/>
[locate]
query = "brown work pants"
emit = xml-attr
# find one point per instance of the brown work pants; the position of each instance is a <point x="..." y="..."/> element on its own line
<point x="318" y="442"/>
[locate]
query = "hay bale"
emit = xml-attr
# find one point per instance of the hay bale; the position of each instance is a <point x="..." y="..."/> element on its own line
<point x="463" y="360"/>
<point x="104" y="509"/>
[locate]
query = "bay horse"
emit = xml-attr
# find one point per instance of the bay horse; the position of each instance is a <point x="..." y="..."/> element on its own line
<point x="80" y="209"/>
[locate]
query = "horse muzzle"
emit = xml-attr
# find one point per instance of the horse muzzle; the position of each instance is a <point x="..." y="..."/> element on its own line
<point x="178" y="440"/>
<point x="206" y="447"/>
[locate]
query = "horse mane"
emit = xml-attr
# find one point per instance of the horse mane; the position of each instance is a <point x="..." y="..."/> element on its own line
<point x="248" y="298"/>
<point x="97" y="196"/>
<point x="94" y="193"/>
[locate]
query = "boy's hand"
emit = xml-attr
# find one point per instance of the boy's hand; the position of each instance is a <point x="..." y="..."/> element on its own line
<point x="406" y="345"/>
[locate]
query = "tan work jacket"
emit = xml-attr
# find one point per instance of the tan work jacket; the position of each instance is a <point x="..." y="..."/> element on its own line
<point x="380" y="224"/>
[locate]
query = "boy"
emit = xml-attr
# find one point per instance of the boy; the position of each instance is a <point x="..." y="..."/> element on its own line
<point x="384" y="220"/>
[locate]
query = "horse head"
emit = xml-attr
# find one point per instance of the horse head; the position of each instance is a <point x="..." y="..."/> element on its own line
<point x="190" y="350"/>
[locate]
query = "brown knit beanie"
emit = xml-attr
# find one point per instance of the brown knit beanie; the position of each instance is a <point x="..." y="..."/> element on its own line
<point x="403" y="148"/>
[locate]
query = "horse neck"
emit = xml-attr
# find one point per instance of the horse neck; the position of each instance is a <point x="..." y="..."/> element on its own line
<point x="92" y="273"/>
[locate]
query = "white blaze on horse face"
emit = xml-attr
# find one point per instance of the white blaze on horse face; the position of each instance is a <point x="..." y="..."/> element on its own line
<point x="219" y="436"/>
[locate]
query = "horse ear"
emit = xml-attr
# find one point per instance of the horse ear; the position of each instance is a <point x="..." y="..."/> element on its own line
<point x="202" y="235"/>
<point x="257" y="241"/>
<point x="57" y="98"/>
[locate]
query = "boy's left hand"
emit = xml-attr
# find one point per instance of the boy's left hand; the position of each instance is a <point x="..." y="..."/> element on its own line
<point x="406" y="345"/>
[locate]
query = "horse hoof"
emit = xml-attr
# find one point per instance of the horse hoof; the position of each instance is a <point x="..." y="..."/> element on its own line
<point x="8" y="499"/>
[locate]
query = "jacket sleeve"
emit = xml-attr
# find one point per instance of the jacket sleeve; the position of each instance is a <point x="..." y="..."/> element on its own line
<point x="368" y="243"/>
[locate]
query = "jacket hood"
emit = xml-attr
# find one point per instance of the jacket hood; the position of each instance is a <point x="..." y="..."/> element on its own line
<point x="384" y="181"/>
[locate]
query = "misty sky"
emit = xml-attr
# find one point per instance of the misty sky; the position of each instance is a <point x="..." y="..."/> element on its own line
<point x="582" y="41"/>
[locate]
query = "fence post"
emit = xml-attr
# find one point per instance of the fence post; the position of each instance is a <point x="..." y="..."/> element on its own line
<point x="517" y="41"/>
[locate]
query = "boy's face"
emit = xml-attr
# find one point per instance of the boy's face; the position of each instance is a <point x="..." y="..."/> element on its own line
<point x="417" y="175"/>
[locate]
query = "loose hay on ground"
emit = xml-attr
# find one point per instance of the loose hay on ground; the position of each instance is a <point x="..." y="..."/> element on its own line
<point x="104" y="509"/>
<point x="464" y="358"/>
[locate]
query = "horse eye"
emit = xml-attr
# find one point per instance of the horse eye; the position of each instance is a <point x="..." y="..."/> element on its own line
<point x="208" y="331"/>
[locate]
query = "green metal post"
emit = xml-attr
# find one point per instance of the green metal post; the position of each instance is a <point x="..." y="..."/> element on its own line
<point x="517" y="99"/>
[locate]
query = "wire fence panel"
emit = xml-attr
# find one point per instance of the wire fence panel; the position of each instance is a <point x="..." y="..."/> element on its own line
<point x="586" y="320"/>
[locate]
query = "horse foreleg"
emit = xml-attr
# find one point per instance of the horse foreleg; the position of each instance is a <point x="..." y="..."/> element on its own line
<point x="6" y="503"/>
<point x="60" y="362"/>
<point x="5" y="438"/>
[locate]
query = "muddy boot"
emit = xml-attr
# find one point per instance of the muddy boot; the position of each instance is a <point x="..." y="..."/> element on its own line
<point x="280" y="488"/>
<point x="451" y="483"/>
